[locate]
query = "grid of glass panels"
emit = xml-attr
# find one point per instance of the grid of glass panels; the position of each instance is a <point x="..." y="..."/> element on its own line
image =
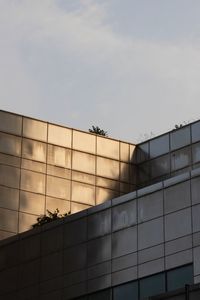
<point x="46" y="166"/>
<point x="148" y="286"/>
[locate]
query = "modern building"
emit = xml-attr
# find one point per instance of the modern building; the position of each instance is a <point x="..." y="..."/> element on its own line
<point x="142" y="240"/>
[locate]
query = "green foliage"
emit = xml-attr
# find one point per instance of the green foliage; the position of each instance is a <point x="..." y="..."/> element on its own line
<point x="49" y="217"/>
<point x="97" y="130"/>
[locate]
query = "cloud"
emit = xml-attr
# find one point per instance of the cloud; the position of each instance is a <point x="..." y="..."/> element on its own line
<point x="68" y="65"/>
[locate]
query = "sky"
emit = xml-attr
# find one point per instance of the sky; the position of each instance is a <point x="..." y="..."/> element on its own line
<point x="132" y="67"/>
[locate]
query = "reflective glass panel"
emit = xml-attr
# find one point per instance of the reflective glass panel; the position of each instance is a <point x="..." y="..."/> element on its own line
<point x="34" y="129"/>
<point x="59" y="135"/>
<point x="177" y="278"/>
<point x="33" y="182"/>
<point x="10" y="160"/>
<point x="142" y="152"/>
<point x="124" y="152"/>
<point x="180" y="137"/>
<point x="33" y="165"/>
<point x="10" y="144"/>
<point x="83" y="193"/>
<point x="34" y="150"/>
<point x="84" y="141"/>
<point x="99" y="224"/>
<point x="150" y="206"/>
<point x="107" y="147"/>
<point x="107" y="168"/>
<point x="58" y="172"/>
<point x="180" y="159"/>
<point x="177" y="196"/>
<point x="103" y="195"/>
<point x="196" y="132"/>
<point x="9" y="198"/>
<point x="124" y="172"/>
<point x="83" y="177"/>
<point x="59" y="156"/>
<point x="9" y="176"/>
<point x="128" y="291"/>
<point x="53" y="203"/>
<point x="10" y="123"/>
<point x="26" y="221"/>
<point x="107" y="183"/>
<point x="99" y="250"/>
<point x="152" y="285"/>
<point x="196" y="153"/>
<point x="83" y="162"/>
<point x="106" y="295"/>
<point x="159" y="146"/>
<point x="124" y="215"/>
<point x="160" y="166"/>
<point x="58" y="187"/>
<point x="195" y="189"/>
<point x="9" y="220"/>
<point x="32" y="203"/>
<point x="76" y="207"/>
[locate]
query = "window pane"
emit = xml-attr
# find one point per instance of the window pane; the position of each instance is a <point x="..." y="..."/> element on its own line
<point x="105" y="295"/>
<point x="10" y="123"/>
<point x="180" y="158"/>
<point x="10" y="144"/>
<point x="177" y="278"/>
<point x="152" y="285"/>
<point x="180" y="137"/>
<point x="9" y="198"/>
<point x="83" y="162"/>
<point x="159" y="146"/>
<point x="33" y="182"/>
<point x="59" y="156"/>
<point x="35" y="129"/>
<point x="107" y="147"/>
<point x="107" y="168"/>
<point x="84" y="141"/>
<point x="34" y="150"/>
<point x="59" y="135"/>
<point x="58" y="187"/>
<point x="9" y="176"/>
<point x="128" y="291"/>
<point x="83" y="193"/>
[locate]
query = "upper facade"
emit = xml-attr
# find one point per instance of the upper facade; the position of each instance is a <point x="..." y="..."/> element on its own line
<point x="47" y="166"/>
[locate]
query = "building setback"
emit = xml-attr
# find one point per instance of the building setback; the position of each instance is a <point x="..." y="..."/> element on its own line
<point x="135" y="244"/>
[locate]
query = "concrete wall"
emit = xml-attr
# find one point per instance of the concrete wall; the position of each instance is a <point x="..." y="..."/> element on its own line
<point x="47" y="166"/>
<point x="146" y="232"/>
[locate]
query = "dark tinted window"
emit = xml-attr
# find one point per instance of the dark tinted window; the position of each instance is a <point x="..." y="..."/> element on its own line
<point x="128" y="291"/>
<point x="177" y="278"/>
<point x="152" y="285"/>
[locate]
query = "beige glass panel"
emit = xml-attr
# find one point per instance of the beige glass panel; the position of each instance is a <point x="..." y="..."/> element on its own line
<point x="34" y="150"/>
<point x="83" y="162"/>
<point x="9" y="198"/>
<point x="83" y="193"/>
<point x="58" y="187"/>
<point x="33" y="166"/>
<point x="133" y="174"/>
<point x="83" y="177"/>
<point x="10" y="160"/>
<point x="107" y="147"/>
<point x="132" y="158"/>
<point x="124" y="172"/>
<point x="84" y="141"/>
<point x="76" y="207"/>
<point x="10" y="144"/>
<point x="26" y="221"/>
<point x="32" y="203"/>
<point x="33" y="182"/>
<point x="35" y="129"/>
<point x="124" y="152"/>
<point x="59" y="156"/>
<point x="104" y="195"/>
<point x="59" y="172"/>
<point x="5" y="234"/>
<point x="59" y="135"/>
<point x="62" y="205"/>
<point x="10" y="123"/>
<point x="8" y="220"/>
<point x="107" y="168"/>
<point x="107" y="183"/>
<point x="125" y="188"/>
<point x="9" y="176"/>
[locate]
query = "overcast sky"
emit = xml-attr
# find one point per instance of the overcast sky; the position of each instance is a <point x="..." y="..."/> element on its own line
<point x="131" y="67"/>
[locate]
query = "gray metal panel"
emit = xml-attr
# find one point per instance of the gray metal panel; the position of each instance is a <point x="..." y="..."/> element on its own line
<point x="124" y="241"/>
<point x="150" y="233"/>
<point x="99" y="250"/>
<point x="124" y="215"/>
<point x="99" y="224"/>
<point x="180" y="137"/>
<point x="150" y="206"/>
<point x="178" y="224"/>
